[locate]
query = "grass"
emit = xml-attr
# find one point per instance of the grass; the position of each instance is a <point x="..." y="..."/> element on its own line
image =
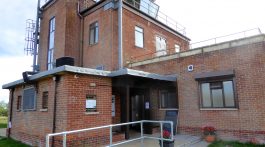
<point x="7" y="142"/>
<point x="3" y="122"/>
<point x="233" y="144"/>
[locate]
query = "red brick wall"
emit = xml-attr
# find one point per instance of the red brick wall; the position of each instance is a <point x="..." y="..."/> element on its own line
<point x="105" y="51"/>
<point x="68" y="37"/>
<point x="57" y="10"/>
<point x="31" y="127"/>
<point x="248" y="62"/>
<point x="151" y="30"/>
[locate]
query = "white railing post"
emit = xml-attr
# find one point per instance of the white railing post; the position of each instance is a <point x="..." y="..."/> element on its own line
<point x="47" y="140"/>
<point x="161" y="133"/>
<point x="172" y="133"/>
<point x="64" y="140"/>
<point x="142" y="135"/>
<point x="110" y="136"/>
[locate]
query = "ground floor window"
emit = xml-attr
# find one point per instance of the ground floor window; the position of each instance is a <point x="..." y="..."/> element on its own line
<point x="168" y="100"/>
<point x="19" y="103"/>
<point x="218" y="94"/>
<point x="29" y="99"/>
<point x="91" y="103"/>
<point x="45" y="96"/>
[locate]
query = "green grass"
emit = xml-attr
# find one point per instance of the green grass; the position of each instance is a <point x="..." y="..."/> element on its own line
<point x="3" y="122"/>
<point x="6" y="142"/>
<point x="233" y="144"/>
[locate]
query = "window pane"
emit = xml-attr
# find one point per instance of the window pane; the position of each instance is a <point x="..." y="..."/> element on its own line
<point x="96" y="34"/>
<point x="172" y="100"/>
<point x="160" y="46"/>
<point x="206" y="96"/>
<point x="229" y="94"/>
<point x="177" y="48"/>
<point x="29" y="99"/>
<point x="139" y="37"/>
<point x="91" y="103"/>
<point x="163" y="100"/>
<point x="51" y="41"/>
<point x="91" y="41"/>
<point x="217" y="95"/>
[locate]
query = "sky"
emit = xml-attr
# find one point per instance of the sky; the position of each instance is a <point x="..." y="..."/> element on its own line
<point x="203" y="19"/>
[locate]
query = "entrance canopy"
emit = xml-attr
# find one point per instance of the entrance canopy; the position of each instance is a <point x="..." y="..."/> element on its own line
<point x="88" y="71"/>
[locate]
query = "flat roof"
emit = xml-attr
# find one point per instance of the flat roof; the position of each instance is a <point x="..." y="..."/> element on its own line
<point x="89" y="71"/>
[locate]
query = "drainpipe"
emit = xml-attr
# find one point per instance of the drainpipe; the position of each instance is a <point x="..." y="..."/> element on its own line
<point x="55" y="79"/>
<point x="10" y="112"/>
<point x="120" y="49"/>
<point x="81" y="44"/>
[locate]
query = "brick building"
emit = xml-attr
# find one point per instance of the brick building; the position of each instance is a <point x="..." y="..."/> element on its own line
<point x="125" y="58"/>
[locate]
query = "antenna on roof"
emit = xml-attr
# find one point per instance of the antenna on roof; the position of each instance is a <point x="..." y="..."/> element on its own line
<point x="32" y="38"/>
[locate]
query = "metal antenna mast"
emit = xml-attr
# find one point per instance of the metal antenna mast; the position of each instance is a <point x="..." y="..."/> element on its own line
<point x="36" y="39"/>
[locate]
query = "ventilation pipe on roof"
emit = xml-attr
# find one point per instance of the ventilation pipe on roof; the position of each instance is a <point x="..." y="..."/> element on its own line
<point x="120" y="48"/>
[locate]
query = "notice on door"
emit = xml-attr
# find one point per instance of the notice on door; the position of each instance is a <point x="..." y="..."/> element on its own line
<point x="147" y="105"/>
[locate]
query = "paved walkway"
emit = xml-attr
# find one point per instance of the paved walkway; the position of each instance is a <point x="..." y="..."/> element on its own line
<point x="180" y="141"/>
<point x="3" y="132"/>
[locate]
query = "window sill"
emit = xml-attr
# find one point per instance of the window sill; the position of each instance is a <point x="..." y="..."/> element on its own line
<point x="91" y="113"/>
<point x="18" y="110"/>
<point x="91" y="45"/>
<point x="164" y="109"/>
<point x="43" y="110"/>
<point x="138" y="47"/>
<point x="218" y="109"/>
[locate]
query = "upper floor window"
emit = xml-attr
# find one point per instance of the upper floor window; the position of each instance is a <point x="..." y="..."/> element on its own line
<point x="139" y="37"/>
<point x="29" y="99"/>
<point x="50" y="60"/>
<point x="161" y="46"/>
<point x="93" y="33"/>
<point x="177" y="48"/>
<point x="218" y="94"/>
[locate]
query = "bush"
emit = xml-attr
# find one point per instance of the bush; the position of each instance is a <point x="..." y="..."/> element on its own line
<point x="3" y="109"/>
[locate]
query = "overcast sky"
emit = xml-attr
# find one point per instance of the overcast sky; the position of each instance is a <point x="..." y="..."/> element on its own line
<point x="203" y="19"/>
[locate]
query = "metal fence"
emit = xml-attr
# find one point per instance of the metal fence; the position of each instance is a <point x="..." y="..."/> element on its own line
<point x="229" y="37"/>
<point x="152" y="10"/>
<point x="110" y="127"/>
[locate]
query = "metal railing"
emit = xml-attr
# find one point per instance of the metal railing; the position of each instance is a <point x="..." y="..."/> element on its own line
<point x="110" y="127"/>
<point x="229" y="37"/>
<point x="212" y="41"/>
<point x="152" y="10"/>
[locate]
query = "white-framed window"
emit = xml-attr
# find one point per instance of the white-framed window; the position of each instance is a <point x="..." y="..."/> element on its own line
<point x="168" y="100"/>
<point x="218" y="94"/>
<point x="91" y="103"/>
<point x="161" y="46"/>
<point x="50" y="60"/>
<point x="93" y="33"/>
<point x="29" y="99"/>
<point x="177" y="48"/>
<point x="139" y="37"/>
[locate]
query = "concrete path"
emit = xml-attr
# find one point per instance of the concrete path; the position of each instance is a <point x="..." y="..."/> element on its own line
<point x="3" y="132"/>
<point x="180" y="141"/>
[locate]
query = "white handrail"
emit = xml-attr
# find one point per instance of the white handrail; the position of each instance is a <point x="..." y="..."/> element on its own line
<point x="142" y="137"/>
